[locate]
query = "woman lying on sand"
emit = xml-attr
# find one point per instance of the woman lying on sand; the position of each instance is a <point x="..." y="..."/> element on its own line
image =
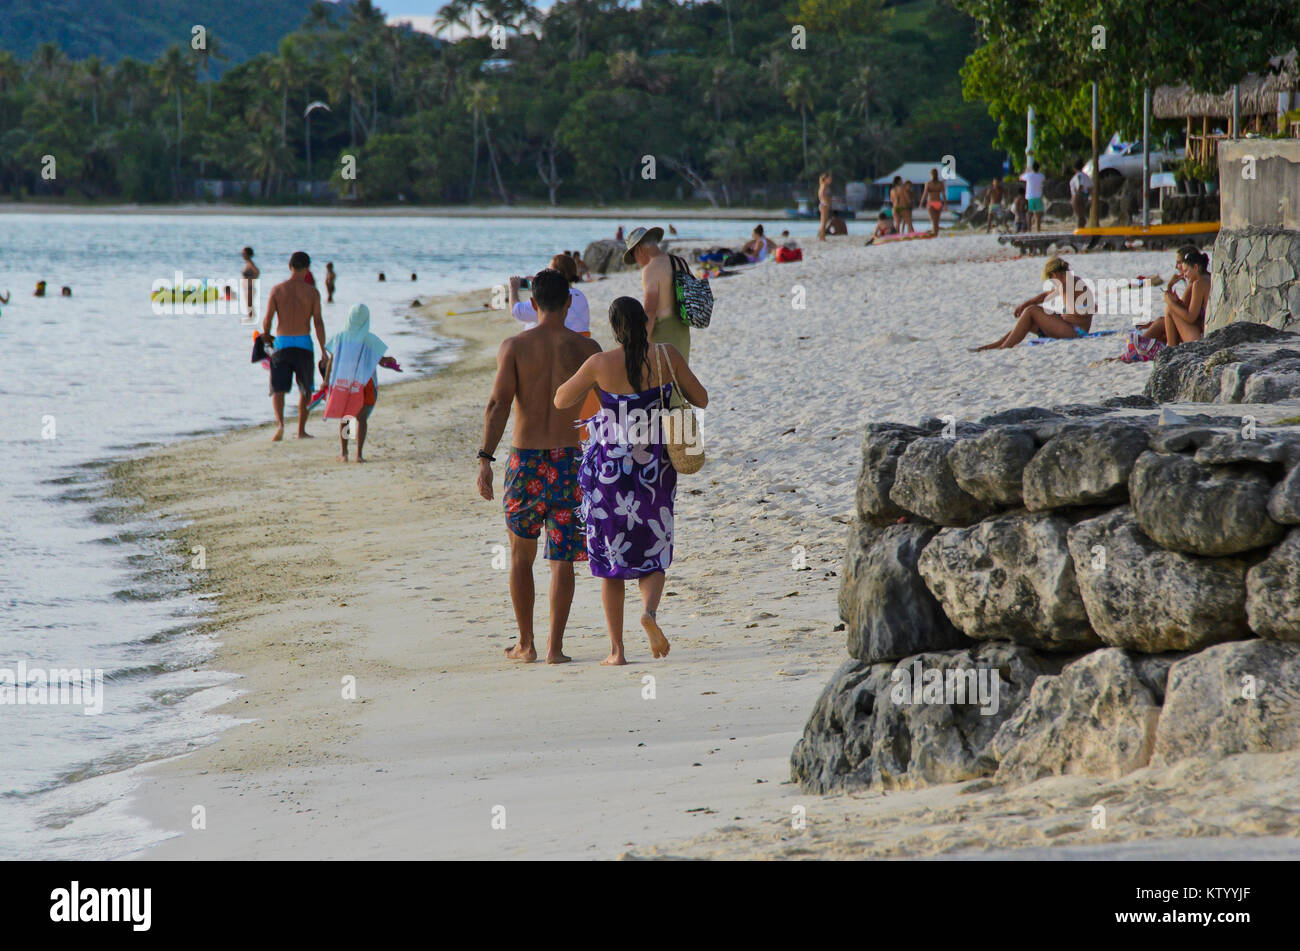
<point x="628" y="483"/>
<point x="1063" y="311"/>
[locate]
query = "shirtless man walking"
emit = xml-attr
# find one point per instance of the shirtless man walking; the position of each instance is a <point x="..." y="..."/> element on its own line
<point x="297" y="305"/>
<point x="541" y="483"/>
<point x="658" y="290"/>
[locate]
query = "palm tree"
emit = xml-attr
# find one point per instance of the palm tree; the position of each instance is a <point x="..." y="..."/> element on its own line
<point x="862" y="93"/>
<point x="130" y="76"/>
<point x="203" y="56"/>
<point x="92" y="77"/>
<point x="10" y="72"/>
<point x="451" y="15"/>
<point x="346" y="84"/>
<point x="290" y="66"/>
<point x="481" y="102"/>
<point x="48" y="63"/>
<point x="320" y="16"/>
<point x="799" y="93"/>
<point x="834" y="142"/>
<point x="175" y="74"/>
<point x="773" y="69"/>
<point x="266" y="159"/>
<point x="364" y="16"/>
<point x="882" y="145"/>
<point x="582" y="13"/>
<point x="720" y="88"/>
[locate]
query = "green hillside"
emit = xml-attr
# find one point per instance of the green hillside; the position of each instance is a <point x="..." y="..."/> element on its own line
<point x="112" y="29"/>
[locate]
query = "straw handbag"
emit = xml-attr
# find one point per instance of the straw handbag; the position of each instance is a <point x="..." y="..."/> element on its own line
<point x="684" y="442"/>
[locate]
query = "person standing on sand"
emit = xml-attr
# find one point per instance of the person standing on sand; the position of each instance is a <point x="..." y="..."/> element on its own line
<point x="541" y="482"/>
<point x="901" y="197"/>
<point x="1034" y="180"/>
<point x="935" y="198"/>
<point x="823" y="204"/>
<point x="628" y="482"/>
<point x="296" y="305"/>
<point x="659" y="290"/>
<point x="992" y="204"/>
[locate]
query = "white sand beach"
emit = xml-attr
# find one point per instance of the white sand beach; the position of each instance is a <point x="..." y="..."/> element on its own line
<point x="384" y="572"/>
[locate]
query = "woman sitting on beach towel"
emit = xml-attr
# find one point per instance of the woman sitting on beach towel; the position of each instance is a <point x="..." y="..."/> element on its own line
<point x="352" y="372"/>
<point x="1063" y="311"/>
<point x="628" y="483"/>
<point x="1184" y="317"/>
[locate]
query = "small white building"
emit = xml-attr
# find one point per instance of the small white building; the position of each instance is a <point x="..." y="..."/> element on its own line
<point x="958" y="188"/>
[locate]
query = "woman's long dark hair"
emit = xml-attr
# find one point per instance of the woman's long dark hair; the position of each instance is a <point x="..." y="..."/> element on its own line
<point x="628" y="319"/>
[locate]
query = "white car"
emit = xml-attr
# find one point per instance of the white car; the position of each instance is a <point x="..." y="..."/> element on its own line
<point x="1125" y="159"/>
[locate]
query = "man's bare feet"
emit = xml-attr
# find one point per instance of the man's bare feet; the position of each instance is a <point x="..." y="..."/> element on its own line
<point x="520" y="652"/>
<point x="359" y="458"/>
<point x="615" y="659"/>
<point x="658" y="643"/>
<point x="303" y="434"/>
<point x="341" y="457"/>
<point x="278" y="435"/>
<point x="558" y="658"/>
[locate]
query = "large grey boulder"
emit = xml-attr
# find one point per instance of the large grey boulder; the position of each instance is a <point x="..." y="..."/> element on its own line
<point x="1084" y="465"/>
<point x="1273" y="592"/>
<point x="1284" y="502"/>
<point x="1232" y="448"/>
<point x="882" y="446"/>
<point x="1141" y="597"/>
<point x="887" y="610"/>
<point x="1276" y="382"/>
<point x="834" y="753"/>
<point x="1201" y="510"/>
<point x="1231" y="698"/>
<point x="1193" y="372"/>
<point x="1096" y="718"/>
<point x="1009" y="578"/>
<point x="605" y="255"/>
<point x="928" y="719"/>
<point x="990" y="465"/>
<point x="924" y="485"/>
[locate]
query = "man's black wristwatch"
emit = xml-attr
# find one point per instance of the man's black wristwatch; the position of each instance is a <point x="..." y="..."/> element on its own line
<point x="484" y="454"/>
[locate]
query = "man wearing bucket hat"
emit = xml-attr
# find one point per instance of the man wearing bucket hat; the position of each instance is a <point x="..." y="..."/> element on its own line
<point x="658" y="292"/>
<point x="1063" y="310"/>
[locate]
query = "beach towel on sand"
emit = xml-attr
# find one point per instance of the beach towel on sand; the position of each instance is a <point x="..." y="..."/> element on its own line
<point x="356" y="353"/>
<point x="1095" y="333"/>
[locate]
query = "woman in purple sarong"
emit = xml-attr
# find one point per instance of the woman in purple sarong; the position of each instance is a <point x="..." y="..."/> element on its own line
<point x="627" y="481"/>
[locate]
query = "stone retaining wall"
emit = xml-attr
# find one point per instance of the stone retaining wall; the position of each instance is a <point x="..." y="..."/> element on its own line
<point x="1132" y="589"/>
<point x="1255" y="267"/>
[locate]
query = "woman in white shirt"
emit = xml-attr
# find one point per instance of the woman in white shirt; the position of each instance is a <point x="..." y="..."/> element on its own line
<point x="579" y="317"/>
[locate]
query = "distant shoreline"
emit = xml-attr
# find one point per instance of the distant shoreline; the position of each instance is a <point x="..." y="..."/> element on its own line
<point x="629" y="213"/>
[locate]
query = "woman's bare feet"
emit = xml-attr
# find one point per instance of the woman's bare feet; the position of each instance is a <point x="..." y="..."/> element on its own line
<point x="520" y="652"/>
<point x="558" y="658"/>
<point x="658" y="643"/>
<point x="278" y="435"/>
<point x="615" y="659"/>
<point x="341" y="457"/>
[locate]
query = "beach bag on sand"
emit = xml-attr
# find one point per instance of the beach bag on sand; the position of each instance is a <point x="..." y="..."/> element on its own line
<point x="681" y="432"/>
<point x="694" y="297"/>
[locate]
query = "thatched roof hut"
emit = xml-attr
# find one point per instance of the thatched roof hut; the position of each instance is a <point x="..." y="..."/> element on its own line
<point x="1260" y="98"/>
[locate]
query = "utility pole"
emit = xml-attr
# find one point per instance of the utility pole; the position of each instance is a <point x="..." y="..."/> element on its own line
<point x="1146" y="156"/>
<point x="1094" y="217"/>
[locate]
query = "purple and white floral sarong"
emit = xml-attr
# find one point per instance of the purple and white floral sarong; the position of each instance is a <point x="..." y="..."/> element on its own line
<point x="628" y="487"/>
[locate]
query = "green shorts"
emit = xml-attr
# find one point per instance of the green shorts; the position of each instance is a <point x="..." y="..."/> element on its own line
<point x="1035" y="204"/>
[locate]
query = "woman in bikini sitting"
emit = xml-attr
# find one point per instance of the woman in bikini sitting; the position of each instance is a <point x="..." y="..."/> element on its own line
<point x="1184" y="317"/>
<point x="1063" y="311"/>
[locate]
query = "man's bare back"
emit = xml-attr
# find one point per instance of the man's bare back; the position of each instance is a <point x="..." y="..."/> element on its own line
<point x="295" y="303"/>
<point x="542" y="359"/>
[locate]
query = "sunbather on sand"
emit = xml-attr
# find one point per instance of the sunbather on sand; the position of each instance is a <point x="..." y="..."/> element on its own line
<point x="1063" y="311"/>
